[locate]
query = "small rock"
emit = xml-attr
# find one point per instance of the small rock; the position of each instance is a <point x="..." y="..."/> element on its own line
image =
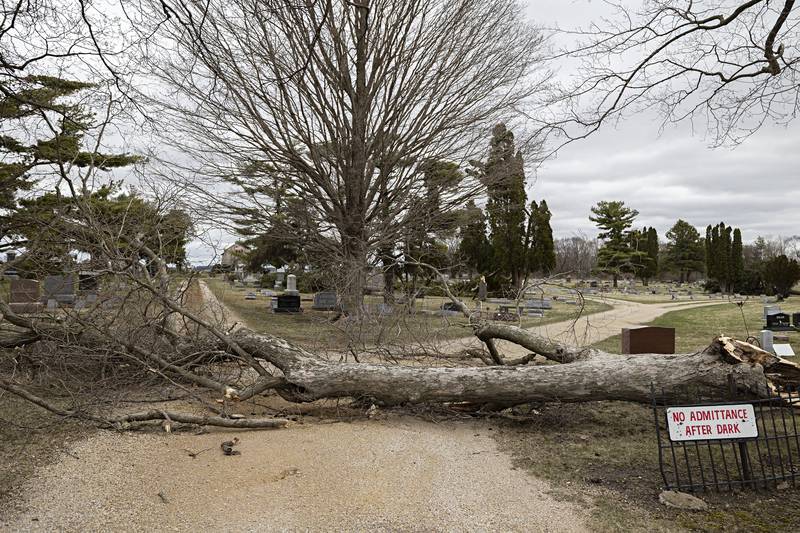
<point x="681" y="500"/>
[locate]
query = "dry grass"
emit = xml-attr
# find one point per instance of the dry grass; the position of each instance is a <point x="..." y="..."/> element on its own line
<point x="315" y="329"/>
<point x="606" y="454"/>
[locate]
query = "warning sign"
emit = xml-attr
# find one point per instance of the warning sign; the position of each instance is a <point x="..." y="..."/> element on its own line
<point x="712" y="422"/>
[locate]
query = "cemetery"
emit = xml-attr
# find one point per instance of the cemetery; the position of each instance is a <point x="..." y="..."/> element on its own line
<point x="419" y="265"/>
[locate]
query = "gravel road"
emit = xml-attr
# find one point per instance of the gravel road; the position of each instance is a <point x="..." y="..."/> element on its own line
<point x="399" y="474"/>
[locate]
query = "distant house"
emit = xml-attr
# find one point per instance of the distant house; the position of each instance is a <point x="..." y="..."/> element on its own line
<point x="233" y="258"/>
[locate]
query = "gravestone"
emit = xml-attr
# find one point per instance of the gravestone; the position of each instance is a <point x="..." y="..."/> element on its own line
<point x="325" y="301"/>
<point x="766" y="340"/>
<point x="543" y="303"/>
<point x="649" y="339"/>
<point x="771" y="310"/>
<point x="778" y="322"/>
<point x="287" y="303"/>
<point x="291" y="285"/>
<point x="60" y="288"/>
<point x="24" y="296"/>
<point x="88" y="282"/>
<point x="796" y="320"/>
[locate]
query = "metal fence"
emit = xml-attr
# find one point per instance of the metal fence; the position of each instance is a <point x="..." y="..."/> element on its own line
<point x="759" y="463"/>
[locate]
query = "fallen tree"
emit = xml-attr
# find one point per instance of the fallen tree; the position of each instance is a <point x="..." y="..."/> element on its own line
<point x="301" y="376"/>
<point x="143" y="335"/>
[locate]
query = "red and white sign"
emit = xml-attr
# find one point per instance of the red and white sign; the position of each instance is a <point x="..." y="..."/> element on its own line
<point x="712" y="422"/>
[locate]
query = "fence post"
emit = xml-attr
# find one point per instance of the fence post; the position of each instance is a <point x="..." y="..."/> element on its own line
<point x="743" y="457"/>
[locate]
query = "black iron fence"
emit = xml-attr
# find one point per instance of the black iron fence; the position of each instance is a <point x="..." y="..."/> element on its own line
<point x="760" y="463"/>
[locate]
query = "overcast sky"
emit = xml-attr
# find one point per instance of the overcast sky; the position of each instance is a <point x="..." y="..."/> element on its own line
<point x="675" y="175"/>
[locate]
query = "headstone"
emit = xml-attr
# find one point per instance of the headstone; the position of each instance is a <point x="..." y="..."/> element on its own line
<point x="291" y="284"/>
<point x="482" y="290"/>
<point x="87" y="282"/>
<point x="60" y="288"/>
<point x="24" y="296"/>
<point x="449" y="309"/>
<point x="766" y="340"/>
<point x="540" y="303"/>
<point x="796" y="320"/>
<point x="250" y="296"/>
<point x="783" y="350"/>
<point x="778" y="322"/>
<point x="385" y="309"/>
<point x="287" y="303"/>
<point x="771" y="310"/>
<point x="52" y="304"/>
<point x="325" y="301"/>
<point x="649" y="339"/>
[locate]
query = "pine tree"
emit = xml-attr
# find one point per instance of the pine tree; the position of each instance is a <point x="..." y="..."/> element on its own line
<point x="42" y="104"/>
<point x="504" y="178"/>
<point x="684" y="250"/>
<point x="616" y="255"/>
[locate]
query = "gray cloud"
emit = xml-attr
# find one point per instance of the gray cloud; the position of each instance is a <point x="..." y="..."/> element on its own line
<point x="673" y="175"/>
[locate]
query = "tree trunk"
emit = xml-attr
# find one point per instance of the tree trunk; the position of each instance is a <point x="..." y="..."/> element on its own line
<point x="592" y="376"/>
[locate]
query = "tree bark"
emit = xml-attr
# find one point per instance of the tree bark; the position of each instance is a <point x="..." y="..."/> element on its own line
<point x="592" y="375"/>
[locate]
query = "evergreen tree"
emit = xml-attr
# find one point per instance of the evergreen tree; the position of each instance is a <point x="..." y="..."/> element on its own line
<point x="645" y="256"/>
<point x="504" y="178"/>
<point x="710" y="257"/>
<point x="42" y="104"/>
<point x="724" y="257"/>
<point x="781" y="274"/>
<point x="475" y="248"/>
<point x="541" y="247"/>
<point x="684" y="250"/>
<point x="616" y="255"/>
<point x="737" y="261"/>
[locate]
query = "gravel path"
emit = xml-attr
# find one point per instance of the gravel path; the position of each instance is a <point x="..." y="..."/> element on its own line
<point x="587" y="329"/>
<point x="400" y="474"/>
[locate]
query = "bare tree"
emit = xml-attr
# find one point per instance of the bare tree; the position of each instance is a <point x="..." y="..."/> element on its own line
<point x="730" y="63"/>
<point x="343" y="103"/>
<point x="576" y="255"/>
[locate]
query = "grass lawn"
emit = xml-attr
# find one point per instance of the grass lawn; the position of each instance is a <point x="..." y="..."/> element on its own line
<point x="314" y="328"/>
<point x="695" y="328"/>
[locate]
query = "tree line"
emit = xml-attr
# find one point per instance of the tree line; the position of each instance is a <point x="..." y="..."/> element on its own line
<point x="728" y="264"/>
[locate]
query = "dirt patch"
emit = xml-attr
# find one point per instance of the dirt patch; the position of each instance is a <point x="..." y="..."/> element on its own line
<point x="585" y="449"/>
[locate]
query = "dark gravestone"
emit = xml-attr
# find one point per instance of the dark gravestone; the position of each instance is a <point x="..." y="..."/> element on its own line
<point x="24" y="296"/>
<point x="796" y="320"/>
<point x="325" y="301"/>
<point x="60" y="288"/>
<point x="778" y="322"/>
<point x="88" y="282"/>
<point x="648" y="340"/>
<point x="287" y="303"/>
